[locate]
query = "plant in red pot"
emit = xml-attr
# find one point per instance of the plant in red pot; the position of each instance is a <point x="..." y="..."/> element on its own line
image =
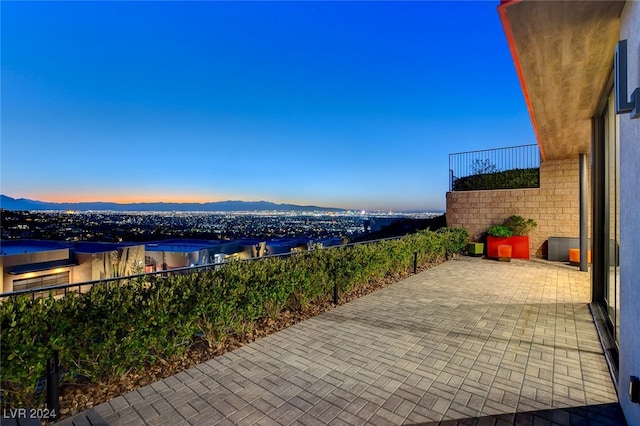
<point x="515" y="233"/>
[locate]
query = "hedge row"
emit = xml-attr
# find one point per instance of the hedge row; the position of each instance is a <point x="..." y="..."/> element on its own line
<point x="115" y="328"/>
<point x="508" y="179"/>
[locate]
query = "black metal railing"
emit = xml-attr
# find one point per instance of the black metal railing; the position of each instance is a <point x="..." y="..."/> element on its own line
<point x="495" y="163"/>
<point x="85" y="286"/>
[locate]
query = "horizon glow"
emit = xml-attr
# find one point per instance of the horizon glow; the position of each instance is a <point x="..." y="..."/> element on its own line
<point x="354" y="105"/>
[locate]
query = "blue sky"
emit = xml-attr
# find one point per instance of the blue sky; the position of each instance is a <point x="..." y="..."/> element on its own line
<point x="353" y="105"/>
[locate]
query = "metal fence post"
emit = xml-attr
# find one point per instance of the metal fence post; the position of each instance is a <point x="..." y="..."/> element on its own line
<point x="52" y="377"/>
<point x="450" y="177"/>
<point x="415" y="262"/>
<point x="335" y="293"/>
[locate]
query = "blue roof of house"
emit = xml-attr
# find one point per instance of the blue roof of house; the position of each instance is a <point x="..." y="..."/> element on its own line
<point x="249" y="241"/>
<point x="184" y="246"/>
<point x="12" y="247"/>
<point x="93" y="247"/>
<point x="179" y="248"/>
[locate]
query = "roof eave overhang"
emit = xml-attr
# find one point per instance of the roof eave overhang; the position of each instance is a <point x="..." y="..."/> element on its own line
<point x="506" y="26"/>
<point x="563" y="55"/>
<point x="53" y="265"/>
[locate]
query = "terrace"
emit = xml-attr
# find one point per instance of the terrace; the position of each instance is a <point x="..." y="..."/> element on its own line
<point x="470" y="341"/>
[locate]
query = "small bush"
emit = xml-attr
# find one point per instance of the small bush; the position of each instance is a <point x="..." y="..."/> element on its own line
<point x="499" y="231"/>
<point x="520" y="226"/>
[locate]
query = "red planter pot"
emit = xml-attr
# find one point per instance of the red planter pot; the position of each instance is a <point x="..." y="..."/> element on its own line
<point x="519" y="246"/>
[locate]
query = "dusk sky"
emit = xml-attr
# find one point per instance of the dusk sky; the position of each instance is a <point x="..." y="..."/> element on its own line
<point x="354" y="105"/>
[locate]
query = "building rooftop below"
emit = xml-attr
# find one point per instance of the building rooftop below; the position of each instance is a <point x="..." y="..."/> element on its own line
<point x="173" y="247"/>
<point x="94" y="247"/>
<point x="13" y="247"/>
<point x="186" y="246"/>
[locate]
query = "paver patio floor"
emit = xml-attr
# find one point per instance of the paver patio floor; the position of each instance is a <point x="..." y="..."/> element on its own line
<point x="471" y="341"/>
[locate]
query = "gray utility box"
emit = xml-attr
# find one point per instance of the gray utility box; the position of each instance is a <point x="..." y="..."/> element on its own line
<point x="558" y="247"/>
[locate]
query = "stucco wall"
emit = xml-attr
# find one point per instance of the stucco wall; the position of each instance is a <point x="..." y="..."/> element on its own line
<point x="82" y="272"/>
<point x="629" y="223"/>
<point x="554" y="206"/>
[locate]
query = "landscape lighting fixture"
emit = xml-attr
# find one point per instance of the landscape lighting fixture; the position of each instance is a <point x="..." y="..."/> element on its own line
<point x="621" y="83"/>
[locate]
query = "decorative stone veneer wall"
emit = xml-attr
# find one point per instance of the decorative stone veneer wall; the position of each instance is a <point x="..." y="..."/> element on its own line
<point x="555" y="206"/>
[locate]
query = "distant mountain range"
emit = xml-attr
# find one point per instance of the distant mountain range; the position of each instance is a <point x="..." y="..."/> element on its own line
<point x="10" y="203"/>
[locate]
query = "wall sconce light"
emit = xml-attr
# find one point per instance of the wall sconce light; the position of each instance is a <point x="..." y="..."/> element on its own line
<point x="634" y="389"/>
<point x="622" y="105"/>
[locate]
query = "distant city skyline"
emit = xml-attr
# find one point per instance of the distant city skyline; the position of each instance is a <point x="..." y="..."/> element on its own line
<point x="25" y="204"/>
<point x="352" y="105"/>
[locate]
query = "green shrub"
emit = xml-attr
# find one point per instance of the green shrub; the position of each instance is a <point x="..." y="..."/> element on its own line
<point x="499" y="231"/>
<point x="115" y="328"/>
<point x="508" y="179"/>
<point x="520" y="226"/>
<point x="514" y="225"/>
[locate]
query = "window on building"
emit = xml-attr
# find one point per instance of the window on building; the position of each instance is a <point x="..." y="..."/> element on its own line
<point x="606" y="219"/>
<point x="612" y="216"/>
<point x="42" y="281"/>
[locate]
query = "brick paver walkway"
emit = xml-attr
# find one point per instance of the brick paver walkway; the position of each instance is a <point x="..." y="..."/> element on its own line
<point x="471" y="341"/>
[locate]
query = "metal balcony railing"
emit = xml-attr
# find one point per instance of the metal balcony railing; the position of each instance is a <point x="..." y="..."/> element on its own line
<point x="499" y="168"/>
<point x="84" y="287"/>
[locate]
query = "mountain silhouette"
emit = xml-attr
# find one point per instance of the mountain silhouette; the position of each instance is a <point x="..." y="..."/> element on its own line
<point x="10" y="203"/>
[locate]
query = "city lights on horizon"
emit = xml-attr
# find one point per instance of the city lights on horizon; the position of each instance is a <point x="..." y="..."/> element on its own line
<point x="128" y="198"/>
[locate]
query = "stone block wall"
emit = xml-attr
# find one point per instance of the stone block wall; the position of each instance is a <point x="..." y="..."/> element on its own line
<point x="555" y="206"/>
